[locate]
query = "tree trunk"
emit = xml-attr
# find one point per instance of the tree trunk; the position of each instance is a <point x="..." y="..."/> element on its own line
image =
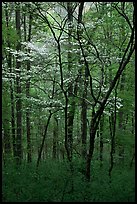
<point x="18" y="87"/>
<point x="122" y="87"/>
<point x="93" y="129"/>
<point x="113" y="133"/>
<point x="85" y="86"/>
<point x="133" y="157"/>
<point x="71" y="110"/>
<point x="43" y="140"/>
<point x="133" y="124"/>
<point x="55" y="139"/>
<point x="121" y="120"/>
<point x="9" y="61"/>
<point x="101" y="140"/>
<point x="13" y="119"/>
<point x="84" y="119"/>
<point x="112" y="151"/>
<point x="6" y="138"/>
<point x="29" y="156"/>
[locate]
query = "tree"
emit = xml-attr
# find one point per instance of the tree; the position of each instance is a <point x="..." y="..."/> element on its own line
<point x="9" y="62"/>
<point x="18" y="87"/>
<point x="29" y="157"/>
<point x="97" y="115"/>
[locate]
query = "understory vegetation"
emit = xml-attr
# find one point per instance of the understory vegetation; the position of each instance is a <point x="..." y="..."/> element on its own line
<point x="52" y="182"/>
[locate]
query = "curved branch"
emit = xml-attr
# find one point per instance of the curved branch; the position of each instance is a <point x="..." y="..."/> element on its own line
<point x="125" y="60"/>
<point x="122" y="13"/>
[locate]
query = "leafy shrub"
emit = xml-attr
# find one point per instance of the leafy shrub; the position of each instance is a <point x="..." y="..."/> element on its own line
<point x="54" y="182"/>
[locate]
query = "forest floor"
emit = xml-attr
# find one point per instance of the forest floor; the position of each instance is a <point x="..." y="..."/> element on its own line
<point x="54" y="182"/>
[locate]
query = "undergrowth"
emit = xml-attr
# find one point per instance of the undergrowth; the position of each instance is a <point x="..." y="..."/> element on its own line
<point x="54" y="182"/>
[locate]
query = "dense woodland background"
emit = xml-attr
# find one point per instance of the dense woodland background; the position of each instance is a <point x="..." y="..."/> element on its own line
<point x="68" y="101"/>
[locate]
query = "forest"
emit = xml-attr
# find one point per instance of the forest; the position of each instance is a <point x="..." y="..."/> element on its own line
<point x="68" y="101"/>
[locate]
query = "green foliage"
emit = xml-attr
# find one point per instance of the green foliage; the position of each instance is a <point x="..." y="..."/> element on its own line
<point x="53" y="183"/>
<point x="9" y="35"/>
<point x="104" y="37"/>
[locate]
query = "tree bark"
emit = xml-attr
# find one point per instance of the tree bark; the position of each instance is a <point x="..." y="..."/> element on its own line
<point x="84" y="120"/>
<point x="101" y="139"/>
<point x="29" y="156"/>
<point x="121" y="120"/>
<point x="93" y="129"/>
<point x="85" y="87"/>
<point x="113" y="132"/>
<point x="43" y="140"/>
<point x="18" y="87"/>
<point x="9" y="61"/>
<point x="122" y="87"/>
<point x="71" y="109"/>
<point x="133" y="157"/>
<point x="55" y="139"/>
<point x="6" y="138"/>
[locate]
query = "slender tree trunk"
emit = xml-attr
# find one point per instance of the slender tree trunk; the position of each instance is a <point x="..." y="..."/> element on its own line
<point x="55" y="139"/>
<point x="84" y="119"/>
<point x="113" y="133"/>
<point x="18" y="87"/>
<point x="43" y="140"/>
<point x="85" y="87"/>
<point x="29" y="156"/>
<point x="9" y="61"/>
<point x="121" y="114"/>
<point x="6" y="137"/>
<point x="93" y="130"/>
<point x="133" y="134"/>
<point x="133" y="124"/>
<point x="71" y="110"/>
<point x="133" y="157"/>
<point x="101" y="139"/>
<point x="112" y="151"/>
<point x="73" y="88"/>
<point x="13" y="119"/>
<point x="121" y="120"/>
